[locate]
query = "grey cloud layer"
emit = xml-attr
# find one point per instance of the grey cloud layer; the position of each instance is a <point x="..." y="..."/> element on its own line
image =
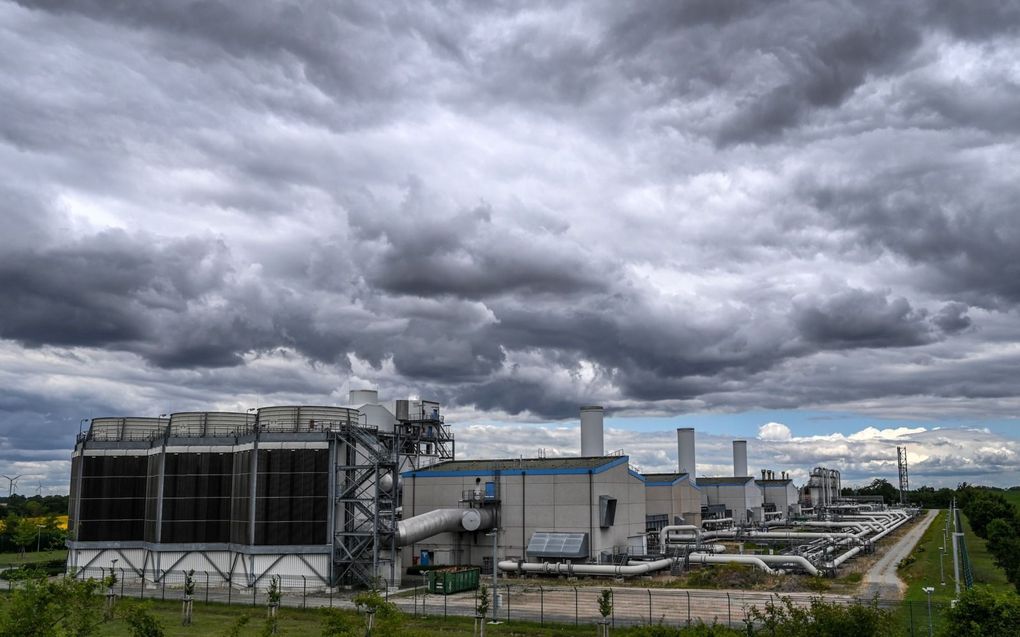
<point x="516" y="209"/>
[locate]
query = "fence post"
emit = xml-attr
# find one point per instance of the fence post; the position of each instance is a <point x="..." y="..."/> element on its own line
<point x="612" y="607"/>
<point x="331" y="597"/>
<point x="729" y="611"/>
<point x="508" y="603"/>
<point x="541" y="605"/>
<point x="688" y="608"/>
<point x="910" y="612"/>
<point x="304" y="592"/>
<point x="415" y="612"/>
<point x="163" y="587"/>
<point x="230" y="590"/>
<point x="122" y="582"/>
<point x="207" y="587"/>
<point x="649" y="591"/>
<point x="254" y="591"/>
<point x="444" y="605"/>
<point x="575" y="606"/>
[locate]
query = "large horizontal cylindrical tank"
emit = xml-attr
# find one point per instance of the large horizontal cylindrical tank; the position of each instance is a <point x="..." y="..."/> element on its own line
<point x="592" y="441"/>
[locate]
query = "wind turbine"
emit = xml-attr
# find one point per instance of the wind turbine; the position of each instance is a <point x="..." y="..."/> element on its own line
<point x="10" y="483"/>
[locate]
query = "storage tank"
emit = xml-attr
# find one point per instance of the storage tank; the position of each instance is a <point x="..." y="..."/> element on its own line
<point x="592" y="441"/>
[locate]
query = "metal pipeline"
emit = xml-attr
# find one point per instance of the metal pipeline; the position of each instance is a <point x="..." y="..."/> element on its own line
<point x="791" y="560"/>
<point x="689" y="528"/>
<point x="439" y="521"/>
<point x="705" y="558"/>
<point x="567" y="568"/>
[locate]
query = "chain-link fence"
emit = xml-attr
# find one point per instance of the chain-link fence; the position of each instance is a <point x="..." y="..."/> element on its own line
<point x="515" y="601"/>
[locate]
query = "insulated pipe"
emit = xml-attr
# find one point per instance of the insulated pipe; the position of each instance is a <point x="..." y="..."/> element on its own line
<point x="793" y="560"/>
<point x="861" y="527"/>
<point x="567" y="568"/>
<point x="693" y="546"/>
<point x="776" y="535"/>
<point x="439" y="521"/>
<point x="666" y="530"/>
<point x="705" y="558"/>
<point x="854" y="551"/>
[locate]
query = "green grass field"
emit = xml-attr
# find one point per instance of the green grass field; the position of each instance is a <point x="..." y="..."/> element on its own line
<point x="982" y="563"/>
<point x="1013" y="497"/>
<point x="31" y="557"/>
<point x="216" y="619"/>
<point x="924" y="571"/>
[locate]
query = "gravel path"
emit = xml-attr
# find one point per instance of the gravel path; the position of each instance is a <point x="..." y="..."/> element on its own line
<point x="882" y="578"/>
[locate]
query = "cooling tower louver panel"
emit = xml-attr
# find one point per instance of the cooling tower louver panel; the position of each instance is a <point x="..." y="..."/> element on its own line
<point x="552" y="544"/>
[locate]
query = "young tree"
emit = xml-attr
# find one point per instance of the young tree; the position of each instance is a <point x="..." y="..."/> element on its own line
<point x="188" y="603"/>
<point x="111" y="597"/>
<point x="273" y="596"/>
<point x="481" y="609"/>
<point x="605" y="609"/>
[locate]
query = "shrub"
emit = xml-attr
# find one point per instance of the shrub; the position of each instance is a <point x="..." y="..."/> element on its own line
<point x="142" y="622"/>
<point x="983" y="613"/>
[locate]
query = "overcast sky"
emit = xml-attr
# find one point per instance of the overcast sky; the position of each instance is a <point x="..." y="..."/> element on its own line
<point x="798" y="221"/>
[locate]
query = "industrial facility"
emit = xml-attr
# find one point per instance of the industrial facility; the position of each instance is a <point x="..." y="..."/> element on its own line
<point x="354" y="495"/>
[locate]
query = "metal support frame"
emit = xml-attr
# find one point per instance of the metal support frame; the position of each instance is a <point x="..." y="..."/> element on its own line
<point x="901" y="462"/>
<point x="368" y="515"/>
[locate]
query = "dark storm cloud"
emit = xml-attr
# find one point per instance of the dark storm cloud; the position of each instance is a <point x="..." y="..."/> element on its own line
<point x="856" y="318"/>
<point x="515" y="209"/>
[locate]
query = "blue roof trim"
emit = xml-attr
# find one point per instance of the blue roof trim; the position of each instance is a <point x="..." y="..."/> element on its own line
<point x="515" y="472"/>
<point x="663" y="483"/>
<point x="635" y="474"/>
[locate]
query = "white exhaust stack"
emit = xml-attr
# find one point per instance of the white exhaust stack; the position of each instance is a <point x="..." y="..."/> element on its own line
<point x="685" y="451"/>
<point x="364" y="397"/>
<point x="591" y="431"/>
<point x="740" y="458"/>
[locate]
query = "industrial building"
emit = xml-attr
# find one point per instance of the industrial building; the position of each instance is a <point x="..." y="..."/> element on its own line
<point x="355" y="494"/>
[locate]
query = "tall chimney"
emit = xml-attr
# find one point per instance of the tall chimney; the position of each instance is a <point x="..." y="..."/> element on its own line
<point x="739" y="458"/>
<point x="363" y="397"/>
<point x="592" y="443"/>
<point x="685" y="451"/>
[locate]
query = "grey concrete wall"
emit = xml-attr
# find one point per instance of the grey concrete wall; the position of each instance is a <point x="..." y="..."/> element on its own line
<point x="739" y="498"/>
<point x="680" y="499"/>
<point x="530" y="502"/>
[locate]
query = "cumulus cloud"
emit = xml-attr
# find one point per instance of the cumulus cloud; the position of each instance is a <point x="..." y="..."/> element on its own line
<point x="943" y="457"/>
<point x="774" y="431"/>
<point x="667" y="208"/>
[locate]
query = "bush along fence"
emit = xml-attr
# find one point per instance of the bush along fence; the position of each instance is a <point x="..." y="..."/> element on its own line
<point x="588" y="605"/>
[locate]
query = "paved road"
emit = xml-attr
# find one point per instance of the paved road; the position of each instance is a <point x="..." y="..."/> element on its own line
<point x="882" y="578"/>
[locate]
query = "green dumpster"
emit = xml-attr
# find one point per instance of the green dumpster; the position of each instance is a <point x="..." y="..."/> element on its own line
<point x="455" y="579"/>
